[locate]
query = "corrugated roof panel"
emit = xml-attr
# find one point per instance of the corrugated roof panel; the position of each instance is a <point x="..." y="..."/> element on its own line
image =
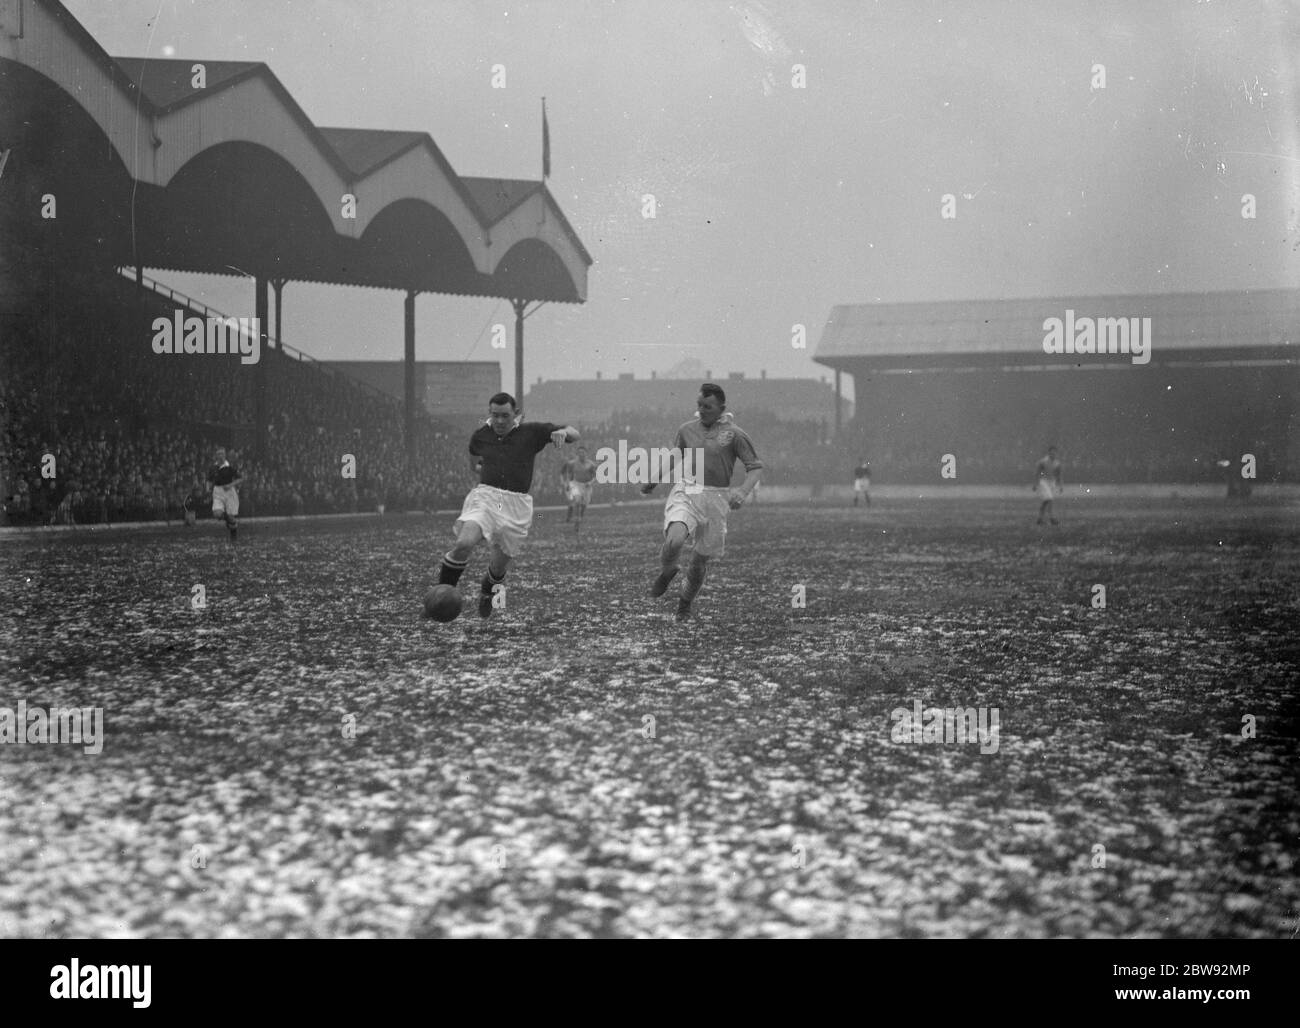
<point x="1261" y="318"/>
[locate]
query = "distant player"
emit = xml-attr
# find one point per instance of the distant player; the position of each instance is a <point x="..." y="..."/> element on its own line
<point x="577" y="475"/>
<point x="191" y="504"/>
<point x="225" y="497"/>
<point x="1048" y="485"/>
<point x="702" y="512"/>
<point x="499" y="509"/>
<point x="862" y="483"/>
<point x="1229" y="473"/>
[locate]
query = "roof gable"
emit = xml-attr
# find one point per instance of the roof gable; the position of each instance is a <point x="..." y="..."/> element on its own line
<point x="167" y="82"/>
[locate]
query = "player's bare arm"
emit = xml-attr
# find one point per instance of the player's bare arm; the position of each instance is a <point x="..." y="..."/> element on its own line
<point x="737" y="497"/>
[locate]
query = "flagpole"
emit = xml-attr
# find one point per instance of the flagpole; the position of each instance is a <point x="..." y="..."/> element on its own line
<point x="546" y="157"/>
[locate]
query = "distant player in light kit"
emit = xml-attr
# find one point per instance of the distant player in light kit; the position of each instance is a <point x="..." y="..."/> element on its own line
<point x="499" y="509"/>
<point x="577" y="475"/>
<point x="1048" y="485"/>
<point x="862" y="482"/>
<point x="699" y="509"/>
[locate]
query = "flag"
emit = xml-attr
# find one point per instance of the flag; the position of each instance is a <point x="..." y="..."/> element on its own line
<point x="546" y="144"/>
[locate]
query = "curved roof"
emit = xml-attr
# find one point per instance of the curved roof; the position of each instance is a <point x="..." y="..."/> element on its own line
<point x="244" y="104"/>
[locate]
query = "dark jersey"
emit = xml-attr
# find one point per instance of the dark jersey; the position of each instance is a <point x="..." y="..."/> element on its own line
<point x="508" y="459"/>
<point x="223" y="475"/>
<point x="862" y="471"/>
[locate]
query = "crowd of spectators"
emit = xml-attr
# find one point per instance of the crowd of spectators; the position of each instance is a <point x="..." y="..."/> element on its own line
<point x="98" y="428"/>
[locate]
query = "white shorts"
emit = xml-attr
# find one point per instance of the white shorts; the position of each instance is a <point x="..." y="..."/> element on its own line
<point x="860" y="485"/>
<point x="579" y="492"/>
<point x="1045" y="489"/>
<point x="504" y="516"/>
<point x="225" y="501"/>
<point x="704" y="513"/>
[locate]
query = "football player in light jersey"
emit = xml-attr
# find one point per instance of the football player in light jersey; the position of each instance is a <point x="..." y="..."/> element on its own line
<point x="577" y="475"/>
<point x="862" y="482"/>
<point x="1048" y="485"/>
<point x="225" y="497"/>
<point x="699" y="508"/>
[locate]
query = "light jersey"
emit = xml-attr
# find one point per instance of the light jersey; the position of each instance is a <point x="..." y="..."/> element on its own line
<point x="582" y="473"/>
<point x="723" y="444"/>
<point x="1048" y="468"/>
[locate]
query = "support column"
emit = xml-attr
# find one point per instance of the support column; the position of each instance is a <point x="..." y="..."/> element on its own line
<point x="132" y="317"/>
<point x="519" y="306"/>
<point x="408" y="409"/>
<point x="262" y="302"/>
<point x="139" y="296"/>
<point x="838" y="422"/>
<point x="278" y="286"/>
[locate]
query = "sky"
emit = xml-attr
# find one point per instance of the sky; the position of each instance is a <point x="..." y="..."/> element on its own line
<point x="774" y="203"/>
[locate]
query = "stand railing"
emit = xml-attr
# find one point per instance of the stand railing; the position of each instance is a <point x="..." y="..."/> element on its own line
<point x="161" y="289"/>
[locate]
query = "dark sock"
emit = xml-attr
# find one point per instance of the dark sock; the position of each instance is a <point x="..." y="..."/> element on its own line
<point x="449" y="571"/>
<point x="694" y="580"/>
<point x="489" y="580"/>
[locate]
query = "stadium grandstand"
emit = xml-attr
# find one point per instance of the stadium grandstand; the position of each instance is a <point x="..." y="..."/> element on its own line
<point x="451" y="391"/>
<point x="116" y="164"/>
<point x="132" y="435"/>
<point x="793" y="417"/>
<point x="973" y="379"/>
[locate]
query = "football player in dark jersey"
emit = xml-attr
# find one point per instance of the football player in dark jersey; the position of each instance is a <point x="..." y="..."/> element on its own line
<point x="499" y="509"/>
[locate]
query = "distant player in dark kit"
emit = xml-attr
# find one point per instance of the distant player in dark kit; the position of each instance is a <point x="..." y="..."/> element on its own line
<point x="577" y="475"/>
<point x="191" y="504"/>
<point x="862" y="483"/>
<point x="698" y="508"/>
<point x="499" y="508"/>
<point x="1048" y="483"/>
<point x="224" y="477"/>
